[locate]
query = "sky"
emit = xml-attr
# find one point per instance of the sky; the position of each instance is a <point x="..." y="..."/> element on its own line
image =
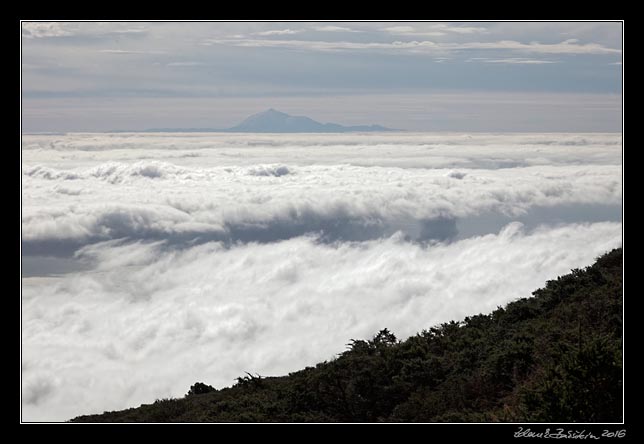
<point x="152" y="261"/>
<point x="417" y="76"/>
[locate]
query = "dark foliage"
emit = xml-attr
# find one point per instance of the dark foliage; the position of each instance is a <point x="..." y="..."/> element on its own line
<point x="199" y="388"/>
<point x="554" y="357"/>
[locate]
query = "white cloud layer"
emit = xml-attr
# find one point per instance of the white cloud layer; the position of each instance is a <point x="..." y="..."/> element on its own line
<point x="148" y="323"/>
<point x="400" y="149"/>
<point x="212" y="191"/>
<point x="201" y="256"/>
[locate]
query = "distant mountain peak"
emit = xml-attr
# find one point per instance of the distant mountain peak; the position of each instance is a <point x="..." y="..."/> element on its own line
<point x="274" y="121"/>
<point x="270" y="112"/>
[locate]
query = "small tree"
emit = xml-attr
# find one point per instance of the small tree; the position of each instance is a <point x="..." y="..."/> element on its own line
<point x="384" y="337"/>
<point x="199" y="388"/>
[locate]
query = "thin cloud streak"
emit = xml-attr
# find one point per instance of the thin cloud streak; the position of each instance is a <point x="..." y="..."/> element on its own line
<point x="425" y="46"/>
<point x="279" y="32"/>
<point x="54" y="30"/>
<point x="513" y="61"/>
<point x="35" y="30"/>
<point x="433" y="30"/>
<point x="128" y="52"/>
<point x="331" y="28"/>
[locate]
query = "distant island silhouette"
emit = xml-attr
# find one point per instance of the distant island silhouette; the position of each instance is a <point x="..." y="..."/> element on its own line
<point x="273" y="121"/>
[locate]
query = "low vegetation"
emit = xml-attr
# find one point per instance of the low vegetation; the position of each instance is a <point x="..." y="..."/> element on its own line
<point x="553" y="357"/>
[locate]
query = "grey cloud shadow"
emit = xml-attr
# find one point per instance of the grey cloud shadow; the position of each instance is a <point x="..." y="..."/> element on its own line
<point x="539" y="215"/>
<point x="54" y="256"/>
<point x="341" y="227"/>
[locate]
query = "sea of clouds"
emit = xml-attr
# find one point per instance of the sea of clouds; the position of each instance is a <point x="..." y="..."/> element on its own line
<point x="152" y="261"/>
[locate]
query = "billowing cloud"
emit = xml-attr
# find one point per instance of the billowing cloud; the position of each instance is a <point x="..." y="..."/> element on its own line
<point x="152" y="261"/>
<point x="148" y="322"/>
<point x="206" y="194"/>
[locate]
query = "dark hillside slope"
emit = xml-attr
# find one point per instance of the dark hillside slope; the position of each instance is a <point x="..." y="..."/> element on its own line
<point x="554" y="357"/>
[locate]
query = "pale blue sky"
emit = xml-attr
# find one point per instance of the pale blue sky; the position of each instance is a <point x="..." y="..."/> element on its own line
<point x="456" y="76"/>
